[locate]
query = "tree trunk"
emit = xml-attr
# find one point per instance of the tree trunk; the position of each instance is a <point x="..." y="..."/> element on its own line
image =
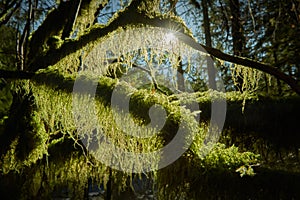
<point x="279" y="86"/>
<point x="109" y="188"/>
<point x="22" y="51"/>
<point x="75" y="7"/>
<point x="180" y="77"/>
<point x="210" y="64"/>
<point x="238" y="38"/>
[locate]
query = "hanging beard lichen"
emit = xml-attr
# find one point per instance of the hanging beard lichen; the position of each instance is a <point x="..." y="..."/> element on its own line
<point x="56" y="115"/>
<point x="248" y="81"/>
<point x="54" y="100"/>
<point x="250" y="78"/>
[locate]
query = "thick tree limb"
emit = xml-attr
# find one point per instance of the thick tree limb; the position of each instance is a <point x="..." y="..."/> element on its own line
<point x="52" y="25"/>
<point x="131" y="17"/>
<point x="56" y="21"/>
<point x="128" y="17"/>
<point x="256" y="65"/>
<point x="89" y="12"/>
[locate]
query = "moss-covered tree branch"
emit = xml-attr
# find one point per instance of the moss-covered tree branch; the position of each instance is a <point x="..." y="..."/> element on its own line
<point x="61" y="21"/>
<point x="131" y="16"/>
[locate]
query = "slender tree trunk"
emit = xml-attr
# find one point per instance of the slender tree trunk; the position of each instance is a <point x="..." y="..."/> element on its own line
<point x="75" y="7"/>
<point x="237" y="29"/>
<point x="210" y="64"/>
<point x="238" y="38"/>
<point x="109" y="186"/>
<point x="180" y="78"/>
<point x="266" y="83"/>
<point x="23" y="43"/>
<point x="279" y="86"/>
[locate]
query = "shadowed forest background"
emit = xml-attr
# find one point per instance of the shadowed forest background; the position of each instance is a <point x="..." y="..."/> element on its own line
<point x="244" y="52"/>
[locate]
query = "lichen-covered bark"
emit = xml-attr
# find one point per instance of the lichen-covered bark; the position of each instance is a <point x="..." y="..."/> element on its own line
<point x="60" y="22"/>
<point x="88" y="13"/>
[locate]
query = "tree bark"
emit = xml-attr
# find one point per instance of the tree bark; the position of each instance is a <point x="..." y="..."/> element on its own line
<point x="238" y="38"/>
<point x="210" y="64"/>
<point x="279" y="87"/>
<point x="54" y="24"/>
<point x="71" y="19"/>
<point x="180" y="77"/>
<point x="22" y="44"/>
<point x="109" y="192"/>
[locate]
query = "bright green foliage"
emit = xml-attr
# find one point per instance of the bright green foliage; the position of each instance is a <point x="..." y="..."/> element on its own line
<point x="227" y="159"/>
<point x="246" y="170"/>
<point x="54" y="43"/>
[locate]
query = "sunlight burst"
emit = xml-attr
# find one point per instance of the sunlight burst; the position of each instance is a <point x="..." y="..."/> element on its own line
<point x="170" y="37"/>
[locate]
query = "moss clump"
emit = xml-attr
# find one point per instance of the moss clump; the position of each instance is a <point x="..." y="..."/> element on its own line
<point x="24" y="135"/>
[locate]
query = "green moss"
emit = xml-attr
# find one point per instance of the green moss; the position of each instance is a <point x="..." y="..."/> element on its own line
<point x="24" y="135"/>
<point x="227" y="159"/>
<point x="54" y="42"/>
